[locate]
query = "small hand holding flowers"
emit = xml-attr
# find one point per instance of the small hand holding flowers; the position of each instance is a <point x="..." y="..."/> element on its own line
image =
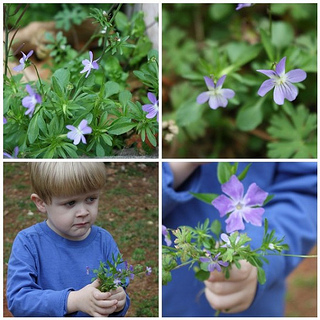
<point x="209" y="248"/>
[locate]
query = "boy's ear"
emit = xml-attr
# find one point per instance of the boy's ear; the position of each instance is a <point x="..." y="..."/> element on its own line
<point x="39" y="203"/>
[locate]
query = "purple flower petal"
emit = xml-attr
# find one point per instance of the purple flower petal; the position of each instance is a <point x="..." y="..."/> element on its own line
<point x="209" y="82"/>
<point x="280" y="67"/>
<point x="217" y="101"/>
<point x="203" y="97"/>
<point x="152" y="98"/>
<point x="233" y="188"/>
<point x="214" y="266"/>
<point x="296" y="75"/>
<point x="269" y="73"/>
<point x="223" y="204"/>
<point x="234" y="222"/>
<point x="255" y="196"/>
<point x="204" y="259"/>
<point x="253" y="215"/>
<point x="227" y="93"/>
<point x="221" y="81"/>
<point x="266" y="87"/>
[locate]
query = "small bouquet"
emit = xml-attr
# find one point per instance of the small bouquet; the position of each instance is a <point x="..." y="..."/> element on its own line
<point x="207" y="247"/>
<point x="117" y="273"/>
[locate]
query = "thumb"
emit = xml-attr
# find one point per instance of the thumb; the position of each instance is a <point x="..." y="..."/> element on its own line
<point x="216" y="276"/>
<point x="96" y="283"/>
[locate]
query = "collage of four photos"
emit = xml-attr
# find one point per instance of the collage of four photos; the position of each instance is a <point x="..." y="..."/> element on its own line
<point x="160" y="159"/>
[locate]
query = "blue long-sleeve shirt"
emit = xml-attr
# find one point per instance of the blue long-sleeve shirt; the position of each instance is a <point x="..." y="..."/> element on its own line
<point x="291" y="213"/>
<point x="44" y="267"/>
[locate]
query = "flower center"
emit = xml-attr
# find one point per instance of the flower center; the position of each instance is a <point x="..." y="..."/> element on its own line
<point x="239" y="206"/>
<point x="281" y="80"/>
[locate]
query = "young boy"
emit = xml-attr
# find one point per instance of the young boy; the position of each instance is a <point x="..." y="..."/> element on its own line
<point x="51" y="263"/>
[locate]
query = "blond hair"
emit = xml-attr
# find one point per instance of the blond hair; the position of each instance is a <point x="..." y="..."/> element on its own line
<point x="56" y="179"/>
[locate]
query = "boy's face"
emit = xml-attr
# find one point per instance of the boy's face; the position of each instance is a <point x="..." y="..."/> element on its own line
<point x="72" y="217"/>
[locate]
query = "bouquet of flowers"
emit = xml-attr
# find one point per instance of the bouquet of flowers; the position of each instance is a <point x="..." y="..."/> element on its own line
<point x="210" y="246"/>
<point x="118" y="273"/>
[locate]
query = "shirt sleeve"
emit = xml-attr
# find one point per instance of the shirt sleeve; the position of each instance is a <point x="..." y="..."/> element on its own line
<point x="25" y="297"/>
<point x="171" y="198"/>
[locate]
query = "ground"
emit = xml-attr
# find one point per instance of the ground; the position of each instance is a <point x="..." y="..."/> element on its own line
<point x="128" y="208"/>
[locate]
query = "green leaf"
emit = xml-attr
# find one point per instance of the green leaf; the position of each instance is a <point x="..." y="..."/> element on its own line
<point x="33" y="129"/>
<point x="205" y="197"/>
<point x="216" y="227"/>
<point x="62" y="76"/>
<point x="111" y="88"/>
<point x="224" y="172"/>
<point x="121" y="126"/>
<point x="250" y="116"/>
<point x="202" y="275"/>
<point x="243" y="174"/>
<point x="294" y="135"/>
<point x="267" y="44"/>
<point x="124" y="97"/>
<point x="282" y="34"/>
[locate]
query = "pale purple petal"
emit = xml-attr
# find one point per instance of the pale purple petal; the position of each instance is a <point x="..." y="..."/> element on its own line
<point x="152" y="98"/>
<point x="224" y="237"/>
<point x="223" y="263"/>
<point x="253" y="215"/>
<point x="227" y="93"/>
<point x="255" y="196"/>
<point x="223" y="204"/>
<point x="280" y="67"/>
<point x="70" y="127"/>
<point x="278" y="95"/>
<point x="19" y="67"/>
<point x="221" y="81"/>
<point x="296" y="75"/>
<point x="266" y="87"/>
<point x="83" y="124"/>
<point x="291" y="91"/>
<point x="234" y="222"/>
<point x="83" y="139"/>
<point x="269" y="73"/>
<point x="203" y="97"/>
<point x="233" y="188"/>
<point x="209" y="82"/>
<point x="204" y="259"/>
<point x="29" y="55"/>
<point x="86" y="63"/>
<point x="217" y="101"/>
<point x="29" y="90"/>
<point x="28" y="102"/>
<point x="95" y="65"/>
<point x="90" y="56"/>
<point x="214" y="266"/>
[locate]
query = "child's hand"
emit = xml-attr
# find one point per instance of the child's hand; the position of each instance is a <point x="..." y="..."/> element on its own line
<point x="120" y="295"/>
<point x="92" y="301"/>
<point x="234" y="294"/>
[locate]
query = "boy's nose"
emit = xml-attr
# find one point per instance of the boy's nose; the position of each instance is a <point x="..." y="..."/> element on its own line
<point x="83" y="211"/>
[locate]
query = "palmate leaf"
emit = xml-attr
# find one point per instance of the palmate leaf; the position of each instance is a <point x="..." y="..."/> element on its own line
<point x="295" y="134"/>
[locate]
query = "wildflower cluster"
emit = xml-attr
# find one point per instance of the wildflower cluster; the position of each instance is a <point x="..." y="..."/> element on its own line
<point x="85" y="107"/>
<point x="118" y="273"/>
<point x="248" y="87"/>
<point x="207" y="247"/>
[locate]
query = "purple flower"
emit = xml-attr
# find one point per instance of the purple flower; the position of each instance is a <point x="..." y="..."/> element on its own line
<point x="225" y="238"/>
<point x="117" y="282"/>
<point x="31" y="100"/>
<point x="153" y="108"/>
<point x="281" y="82"/>
<point x="88" y="65"/>
<point x="23" y="61"/>
<point x="5" y="120"/>
<point x="14" y="155"/>
<point x="243" y="5"/>
<point x="240" y="207"/>
<point x="214" y="262"/>
<point x="166" y="235"/>
<point x="217" y="96"/>
<point x="77" y="134"/>
<point x="148" y="271"/>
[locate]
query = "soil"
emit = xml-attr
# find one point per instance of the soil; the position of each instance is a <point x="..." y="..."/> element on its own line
<point x="134" y="182"/>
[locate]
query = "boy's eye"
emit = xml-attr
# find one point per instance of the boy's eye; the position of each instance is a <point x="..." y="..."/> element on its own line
<point x="91" y="199"/>
<point x="70" y="203"/>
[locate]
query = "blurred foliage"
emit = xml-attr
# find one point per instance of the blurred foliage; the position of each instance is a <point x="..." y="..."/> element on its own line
<point x="214" y="39"/>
